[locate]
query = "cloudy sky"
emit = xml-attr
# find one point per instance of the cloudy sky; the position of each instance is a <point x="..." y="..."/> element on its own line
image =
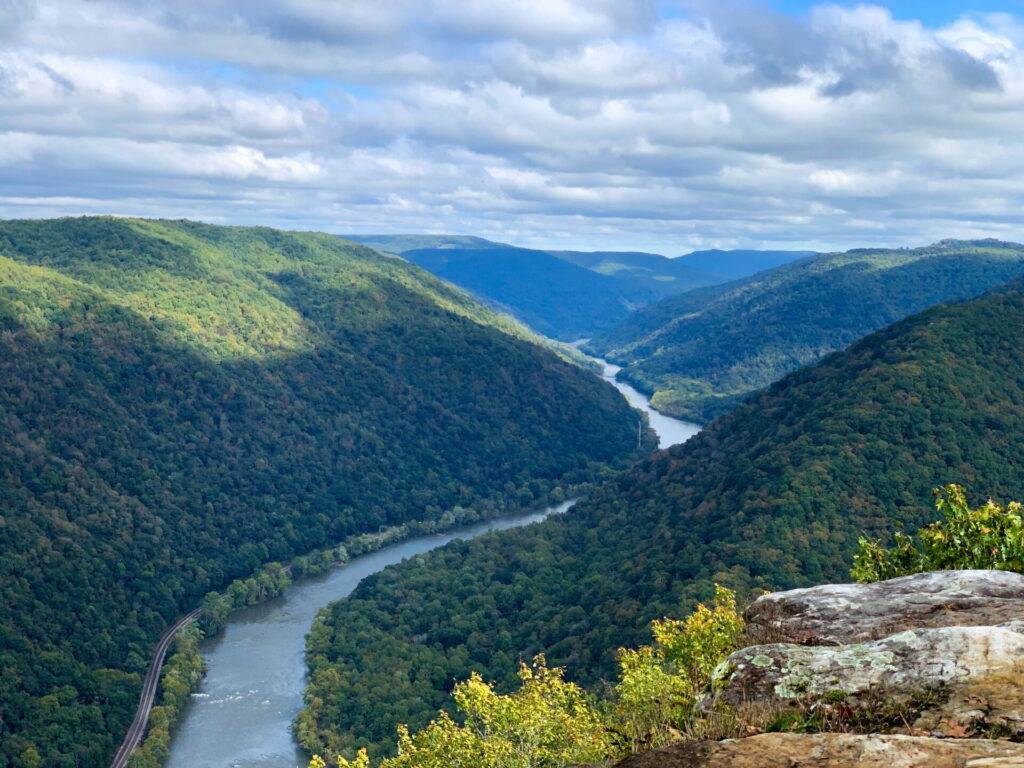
<point x="594" y="124"/>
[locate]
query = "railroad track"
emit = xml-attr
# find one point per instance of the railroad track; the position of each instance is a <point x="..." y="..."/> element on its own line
<point x="138" y="727"/>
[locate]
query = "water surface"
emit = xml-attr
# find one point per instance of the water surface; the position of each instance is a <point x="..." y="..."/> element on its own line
<point x="242" y="714"/>
<point x="670" y="431"/>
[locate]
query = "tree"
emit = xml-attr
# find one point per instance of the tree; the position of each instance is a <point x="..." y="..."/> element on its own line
<point x="546" y="722"/>
<point x="989" y="537"/>
<point x="659" y="684"/>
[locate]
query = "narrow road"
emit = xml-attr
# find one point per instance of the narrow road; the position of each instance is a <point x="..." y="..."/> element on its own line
<point x="138" y="726"/>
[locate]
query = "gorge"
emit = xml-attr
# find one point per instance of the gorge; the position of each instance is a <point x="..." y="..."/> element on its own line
<point x="243" y="712"/>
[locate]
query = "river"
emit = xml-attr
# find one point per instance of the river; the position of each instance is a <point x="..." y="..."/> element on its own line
<point x="242" y="713"/>
<point x="670" y="431"/>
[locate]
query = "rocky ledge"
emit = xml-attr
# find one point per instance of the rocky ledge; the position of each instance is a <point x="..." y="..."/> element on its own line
<point x="839" y="614"/>
<point x="834" y="750"/>
<point x="932" y="659"/>
<point x="931" y="677"/>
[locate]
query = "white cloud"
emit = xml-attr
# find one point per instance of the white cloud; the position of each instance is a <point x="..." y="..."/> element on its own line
<point x="559" y="122"/>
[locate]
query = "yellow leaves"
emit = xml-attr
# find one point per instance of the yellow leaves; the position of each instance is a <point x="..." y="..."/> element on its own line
<point x="547" y="721"/>
<point x="696" y="644"/>
<point x="659" y="685"/>
<point x="362" y="761"/>
<point x="989" y="537"/>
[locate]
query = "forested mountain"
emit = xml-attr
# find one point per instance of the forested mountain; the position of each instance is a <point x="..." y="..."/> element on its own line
<point x="399" y="244"/>
<point x="566" y="295"/>
<point x="702" y="352"/>
<point x="659" y="273"/>
<point x="771" y="496"/>
<point x="181" y="403"/>
<point x="739" y="263"/>
<point x="553" y="296"/>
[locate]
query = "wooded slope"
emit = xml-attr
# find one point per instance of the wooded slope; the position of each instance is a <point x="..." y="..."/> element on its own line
<point x="702" y="352"/>
<point x="772" y="496"/>
<point x="180" y="403"/>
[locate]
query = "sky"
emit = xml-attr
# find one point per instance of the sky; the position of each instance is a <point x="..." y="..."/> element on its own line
<point x="656" y="125"/>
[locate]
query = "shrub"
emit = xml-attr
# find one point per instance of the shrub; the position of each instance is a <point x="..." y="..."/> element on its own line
<point x="658" y="685"/>
<point x="989" y="537"/>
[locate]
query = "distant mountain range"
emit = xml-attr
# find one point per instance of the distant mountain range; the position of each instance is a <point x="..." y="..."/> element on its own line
<point x="567" y="295"/>
<point x="701" y="352"/>
<point x="736" y="264"/>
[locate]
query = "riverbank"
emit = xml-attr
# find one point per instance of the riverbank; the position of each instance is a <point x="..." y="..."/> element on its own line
<point x="192" y="745"/>
<point x="147" y="735"/>
<point x="243" y="712"/>
<point x="670" y="431"/>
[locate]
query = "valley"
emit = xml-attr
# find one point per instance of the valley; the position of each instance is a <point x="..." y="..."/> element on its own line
<point x="774" y="495"/>
<point x="512" y="384"/>
<point x="183" y="403"/>
<point x="246" y="704"/>
<point x="569" y="294"/>
<point x="263" y="314"/>
<point x="700" y="353"/>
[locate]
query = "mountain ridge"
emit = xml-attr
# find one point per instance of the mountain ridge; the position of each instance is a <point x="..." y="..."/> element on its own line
<point x="182" y="402"/>
<point x="700" y="353"/>
<point x="536" y="286"/>
<point x="737" y="263"/>
<point x="774" y="495"/>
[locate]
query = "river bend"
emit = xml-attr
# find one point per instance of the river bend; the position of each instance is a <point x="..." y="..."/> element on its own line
<point x="241" y="716"/>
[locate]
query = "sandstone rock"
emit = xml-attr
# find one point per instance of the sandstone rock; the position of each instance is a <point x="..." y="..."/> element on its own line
<point x="835" y="750"/>
<point x="969" y="674"/>
<point x="838" y="614"/>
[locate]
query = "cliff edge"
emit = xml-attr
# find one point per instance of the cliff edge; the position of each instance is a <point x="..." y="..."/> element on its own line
<point x="923" y="670"/>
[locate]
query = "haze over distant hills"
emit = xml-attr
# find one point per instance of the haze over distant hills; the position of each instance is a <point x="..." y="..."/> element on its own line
<point x="568" y="302"/>
<point x="703" y="351"/>
<point x="773" y="495"/>
<point x="740" y="263"/>
<point x="566" y="295"/>
<point x="399" y="244"/>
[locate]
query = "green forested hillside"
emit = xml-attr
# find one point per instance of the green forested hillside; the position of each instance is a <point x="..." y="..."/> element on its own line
<point x="566" y="295"/>
<point x="553" y="296"/>
<point x="181" y="402"/>
<point x="661" y="274"/>
<point x="656" y="273"/>
<point x="702" y="352"/>
<point x="740" y="263"/>
<point x="771" y="496"/>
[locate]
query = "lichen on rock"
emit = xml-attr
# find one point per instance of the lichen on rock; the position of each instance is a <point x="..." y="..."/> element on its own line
<point x="971" y="674"/>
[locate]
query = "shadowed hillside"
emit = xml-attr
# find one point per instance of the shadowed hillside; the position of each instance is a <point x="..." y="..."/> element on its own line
<point x="773" y="495"/>
<point x="181" y="403"/>
<point x="702" y="352"/>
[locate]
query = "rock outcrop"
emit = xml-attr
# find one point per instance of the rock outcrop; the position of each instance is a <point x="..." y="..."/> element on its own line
<point x="934" y="676"/>
<point x="934" y="654"/>
<point x="833" y="750"/>
<point x="840" y="614"/>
